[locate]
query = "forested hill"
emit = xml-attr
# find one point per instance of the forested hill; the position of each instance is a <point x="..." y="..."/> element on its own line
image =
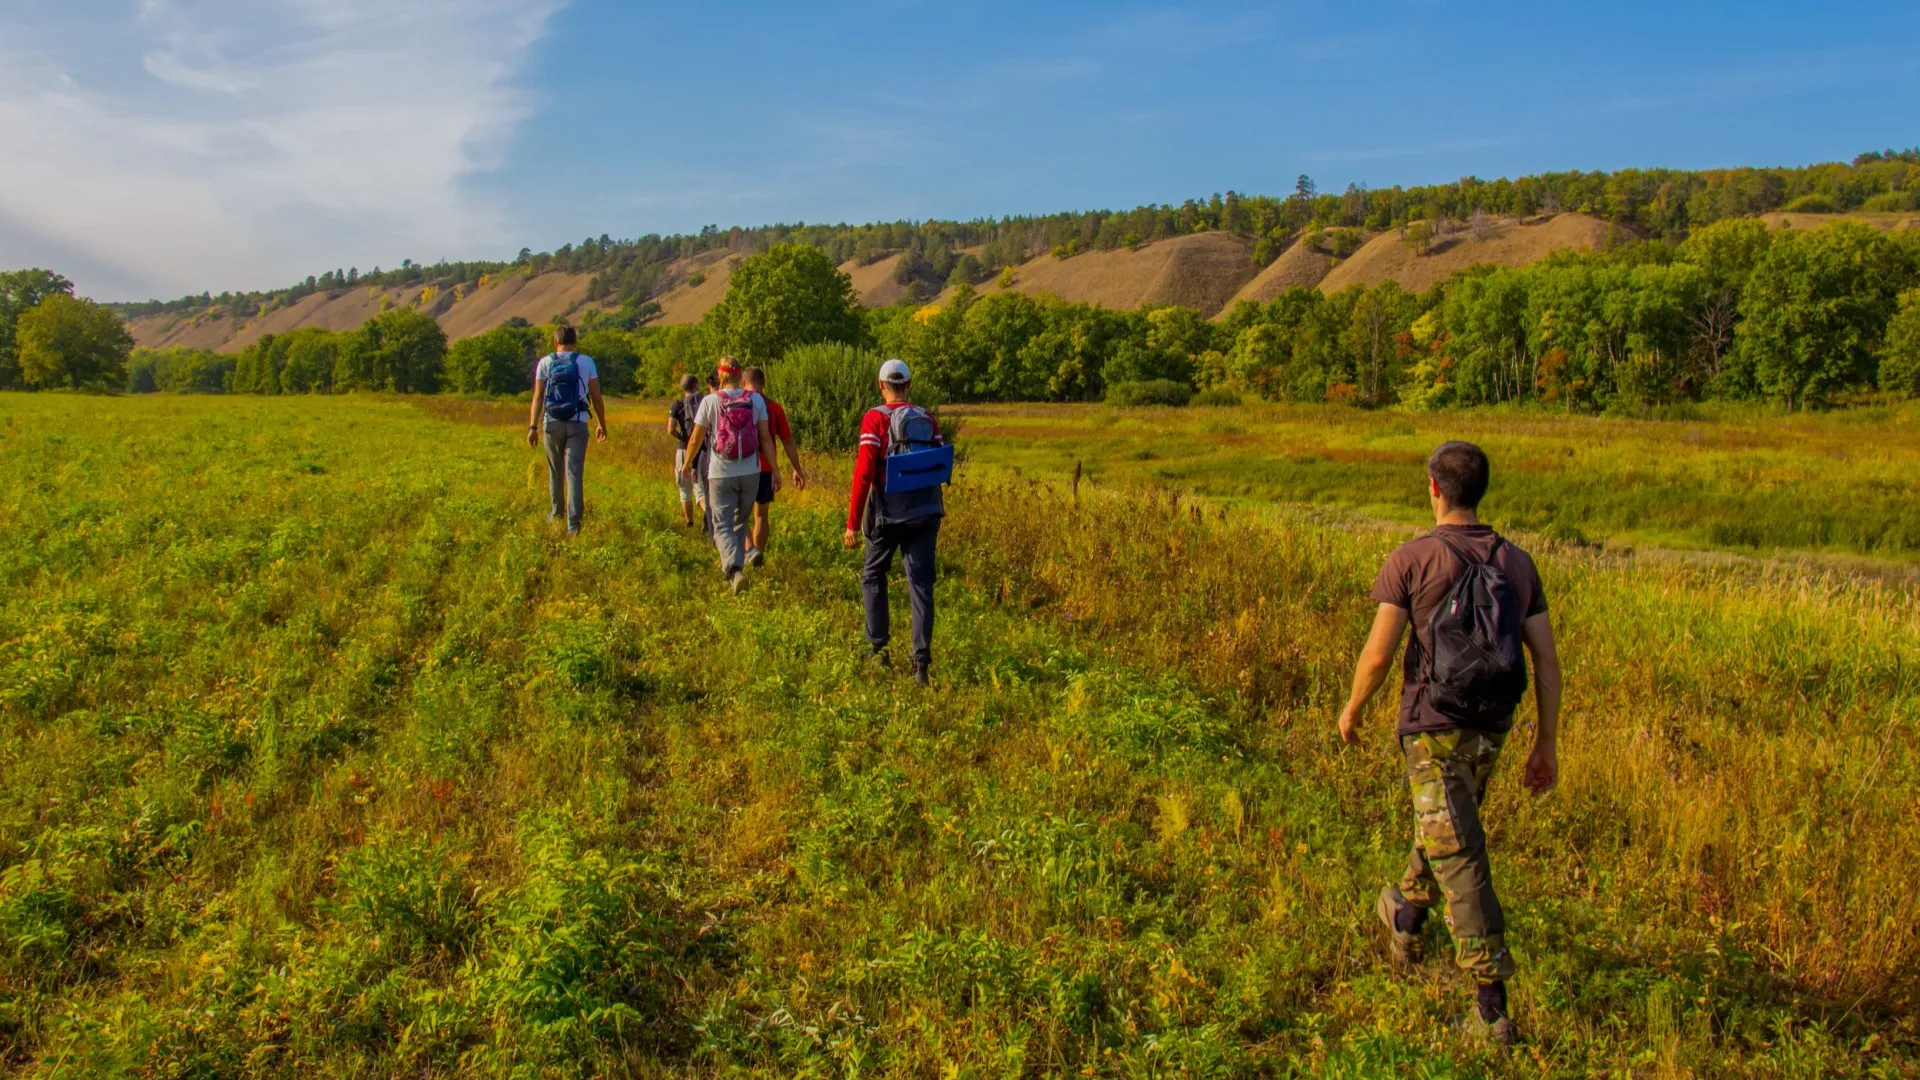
<point x="630" y="282"/>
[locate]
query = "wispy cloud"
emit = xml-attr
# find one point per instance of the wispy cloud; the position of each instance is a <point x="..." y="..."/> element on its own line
<point x="259" y="140"/>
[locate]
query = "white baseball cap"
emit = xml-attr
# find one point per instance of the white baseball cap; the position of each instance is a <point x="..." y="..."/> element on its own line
<point x="895" y="371"/>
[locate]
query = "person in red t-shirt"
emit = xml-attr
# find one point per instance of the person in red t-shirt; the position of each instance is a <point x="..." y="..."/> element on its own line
<point x="907" y="522"/>
<point x="769" y="473"/>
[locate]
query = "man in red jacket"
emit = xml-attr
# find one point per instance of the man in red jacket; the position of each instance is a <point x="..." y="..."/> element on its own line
<point x="908" y="522"/>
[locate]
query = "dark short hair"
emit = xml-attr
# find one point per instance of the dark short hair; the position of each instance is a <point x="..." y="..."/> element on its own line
<point x="689" y="383"/>
<point x="754" y="376"/>
<point x="566" y="335"/>
<point x="712" y="379"/>
<point x="1460" y="471"/>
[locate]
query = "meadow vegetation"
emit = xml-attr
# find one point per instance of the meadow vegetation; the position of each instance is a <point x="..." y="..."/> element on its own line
<point x="1702" y="477"/>
<point x="320" y="753"/>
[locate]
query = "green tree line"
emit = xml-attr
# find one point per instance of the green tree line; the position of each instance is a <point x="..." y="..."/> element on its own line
<point x="1734" y="311"/>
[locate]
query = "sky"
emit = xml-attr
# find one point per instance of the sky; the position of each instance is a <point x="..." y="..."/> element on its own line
<point x="155" y="148"/>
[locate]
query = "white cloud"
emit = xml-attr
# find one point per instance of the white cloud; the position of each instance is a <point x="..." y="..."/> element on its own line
<point x="253" y="142"/>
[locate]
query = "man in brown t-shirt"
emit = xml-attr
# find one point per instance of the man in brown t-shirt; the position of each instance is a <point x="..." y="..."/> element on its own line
<point x="1451" y="757"/>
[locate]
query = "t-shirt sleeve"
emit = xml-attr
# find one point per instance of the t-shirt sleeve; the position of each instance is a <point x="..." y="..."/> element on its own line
<point x="1394" y="585"/>
<point x="1538" y="603"/>
<point x="540" y="369"/>
<point x="781" y="429"/>
<point x="759" y="409"/>
<point x="705" y="416"/>
<point x="588" y="369"/>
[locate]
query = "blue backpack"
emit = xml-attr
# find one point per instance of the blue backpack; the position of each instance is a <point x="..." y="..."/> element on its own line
<point x="563" y="386"/>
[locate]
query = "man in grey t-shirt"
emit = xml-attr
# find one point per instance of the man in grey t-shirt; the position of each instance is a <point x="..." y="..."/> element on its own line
<point x="566" y="394"/>
<point x="733" y="466"/>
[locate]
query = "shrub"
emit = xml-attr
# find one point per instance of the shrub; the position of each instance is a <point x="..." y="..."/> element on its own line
<point x="1900" y="362"/>
<point x="825" y="389"/>
<point x="1893" y="202"/>
<point x="1216" y="396"/>
<point x="1815" y="203"/>
<point x="1128" y="395"/>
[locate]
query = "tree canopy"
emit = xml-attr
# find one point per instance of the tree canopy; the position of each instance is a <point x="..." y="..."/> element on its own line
<point x="791" y="295"/>
<point x="67" y="342"/>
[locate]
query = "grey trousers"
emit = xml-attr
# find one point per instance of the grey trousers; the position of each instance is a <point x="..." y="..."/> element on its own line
<point x="915" y="542"/>
<point x="566" y="470"/>
<point x="730" y="502"/>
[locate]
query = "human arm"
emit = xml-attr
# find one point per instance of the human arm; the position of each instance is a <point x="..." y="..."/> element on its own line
<point x="868" y="463"/>
<point x="793" y="455"/>
<point x="599" y="407"/>
<point x="1376" y="661"/>
<point x="771" y="449"/>
<point x="533" y="411"/>
<point x="695" y="439"/>
<point x="1543" y="764"/>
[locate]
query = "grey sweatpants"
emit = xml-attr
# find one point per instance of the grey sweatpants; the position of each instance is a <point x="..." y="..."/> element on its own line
<point x="730" y="501"/>
<point x="566" y="470"/>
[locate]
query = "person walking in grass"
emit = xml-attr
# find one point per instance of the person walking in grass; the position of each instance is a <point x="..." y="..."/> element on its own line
<point x="733" y="420"/>
<point x="566" y="395"/>
<point x="680" y="416"/>
<point x="1475" y="601"/>
<point x="907" y="522"/>
<point x="756" y="381"/>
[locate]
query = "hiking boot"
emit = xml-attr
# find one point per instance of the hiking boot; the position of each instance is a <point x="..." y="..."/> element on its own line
<point x="737" y="582"/>
<point x="1488" y="1020"/>
<point x="920" y="673"/>
<point x="1406" y="947"/>
<point x="1500" y="1031"/>
<point x="756" y="557"/>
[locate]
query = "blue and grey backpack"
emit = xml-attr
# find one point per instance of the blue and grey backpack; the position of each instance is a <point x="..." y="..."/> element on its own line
<point x="563" y="386"/>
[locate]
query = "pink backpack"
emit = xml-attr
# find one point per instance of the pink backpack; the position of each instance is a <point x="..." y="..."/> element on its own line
<point x="738" y="437"/>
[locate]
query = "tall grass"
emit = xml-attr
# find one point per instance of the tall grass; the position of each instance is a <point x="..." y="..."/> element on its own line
<point x="320" y="754"/>
<point x="1752" y="483"/>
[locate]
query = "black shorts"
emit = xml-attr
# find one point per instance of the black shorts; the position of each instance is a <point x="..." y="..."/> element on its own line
<point x="766" y="489"/>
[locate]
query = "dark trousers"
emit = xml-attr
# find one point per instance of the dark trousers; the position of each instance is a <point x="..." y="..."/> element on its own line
<point x="915" y="541"/>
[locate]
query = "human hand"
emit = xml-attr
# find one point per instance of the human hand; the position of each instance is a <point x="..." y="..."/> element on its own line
<point x="533" y="436"/>
<point x="799" y="479"/>
<point x="601" y="434"/>
<point x="851" y="540"/>
<point x="1349" y="726"/>
<point x="776" y="480"/>
<point x="1543" y="768"/>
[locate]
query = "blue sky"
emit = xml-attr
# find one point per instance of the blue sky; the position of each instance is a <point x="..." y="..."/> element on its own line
<point x="158" y="147"/>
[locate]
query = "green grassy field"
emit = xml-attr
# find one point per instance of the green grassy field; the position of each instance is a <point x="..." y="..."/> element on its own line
<point x="321" y="753"/>
<point x="1834" y="483"/>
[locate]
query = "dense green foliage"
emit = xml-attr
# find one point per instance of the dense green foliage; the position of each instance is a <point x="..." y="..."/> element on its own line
<point x="321" y="755"/>
<point x="1126" y="395"/>
<point x="67" y="342"/>
<point x="791" y="295"/>
<point x="1900" y="369"/>
<point x="1736" y="311"/>
<point x="179" y="371"/>
<point x="825" y="389"/>
<point x="21" y="291"/>
<point x="1667" y="203"/>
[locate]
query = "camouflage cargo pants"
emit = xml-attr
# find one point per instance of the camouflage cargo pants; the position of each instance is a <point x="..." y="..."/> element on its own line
<point x="1448" y="772"/>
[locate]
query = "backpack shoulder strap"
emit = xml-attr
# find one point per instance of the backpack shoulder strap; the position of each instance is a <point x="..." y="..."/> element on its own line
<point x="1461" y="554"/>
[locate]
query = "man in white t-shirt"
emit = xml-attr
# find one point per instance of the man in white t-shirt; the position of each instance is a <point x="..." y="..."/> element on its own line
<point x="734" y="419"/>
<point x="566" y="394"/>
